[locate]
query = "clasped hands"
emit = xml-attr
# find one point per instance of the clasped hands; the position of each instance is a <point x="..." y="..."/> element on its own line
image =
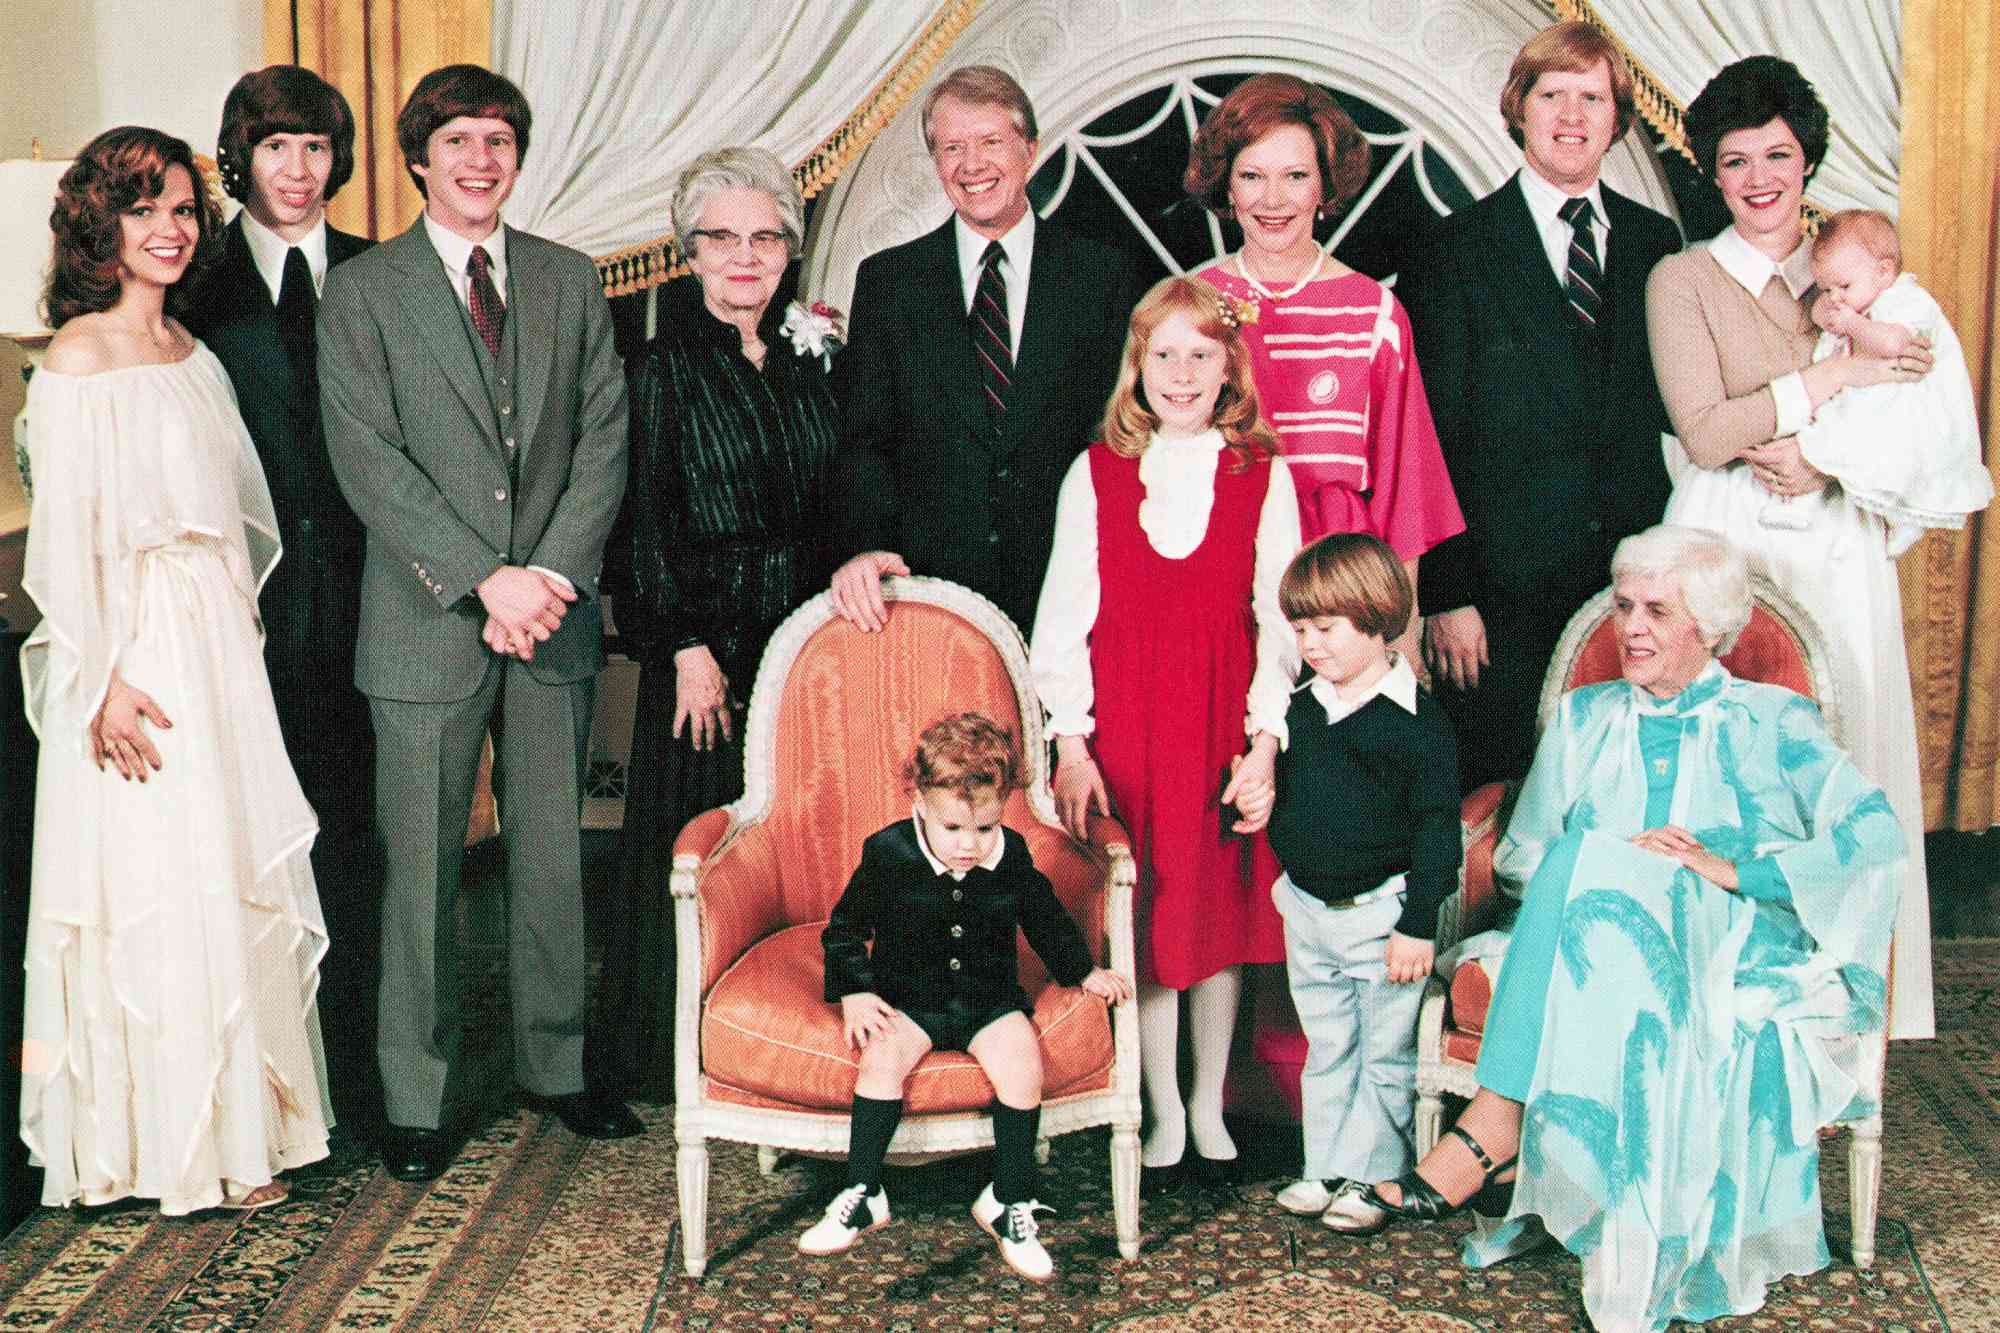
<point x="523" y="608"/>
<point x="1676" y="843"/>
<point x="1079" y="785"/>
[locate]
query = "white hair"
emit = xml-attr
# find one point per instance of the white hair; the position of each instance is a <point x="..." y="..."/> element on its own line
<point x="744" y="168"/>
<point x="1713" y="575"/>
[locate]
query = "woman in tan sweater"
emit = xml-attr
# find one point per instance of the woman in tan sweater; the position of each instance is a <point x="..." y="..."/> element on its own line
<point x="1732" y="342"/>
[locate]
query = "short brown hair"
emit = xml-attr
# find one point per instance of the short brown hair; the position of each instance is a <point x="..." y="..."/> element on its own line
<point x="968" y="754"/>
<point x="1865" y="227"/>
<point x="443" y="95"/>
<point x="281" y="99"/>
<point x="1574" y="47"/>
<point x="1129" y="423"/>
<point x="1252" y="110"/>
<point x="114" y="171"/>
<point x="1349" y="574"/>
<point x="983" y="85"/>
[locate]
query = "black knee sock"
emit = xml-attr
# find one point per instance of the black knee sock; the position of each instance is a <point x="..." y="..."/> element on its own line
<point x="868" y="1133"/>
<point x="1014" y="1131"/>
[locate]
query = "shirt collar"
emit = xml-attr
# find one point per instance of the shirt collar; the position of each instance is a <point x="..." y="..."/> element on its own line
<point x="1705" y="687"/>
<point x="992" y="861"/>
<point x="1545" y="201"/>
<point x="456" y="252"/>
<point x="1753" y="268"/>
<point x="1018" y="243"/>
<point x="1398" y="683"/>
<point x="268" y="250"/>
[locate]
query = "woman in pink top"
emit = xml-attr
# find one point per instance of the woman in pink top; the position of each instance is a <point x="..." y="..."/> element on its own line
<point x="1330" y="347"/>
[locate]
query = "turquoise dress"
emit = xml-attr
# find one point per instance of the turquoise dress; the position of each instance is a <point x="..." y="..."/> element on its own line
<point x="1678" y="1047"/>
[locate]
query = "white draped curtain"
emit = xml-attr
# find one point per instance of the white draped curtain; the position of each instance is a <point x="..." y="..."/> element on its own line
<point x="1852" y="52"/>
<point x="626" y="92"/>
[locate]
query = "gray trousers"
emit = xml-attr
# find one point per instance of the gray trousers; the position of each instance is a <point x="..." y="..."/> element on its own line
<point x="427" y="761"/>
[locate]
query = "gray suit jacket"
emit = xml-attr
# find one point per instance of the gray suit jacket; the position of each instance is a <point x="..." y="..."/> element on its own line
<point x="419" y="450"/>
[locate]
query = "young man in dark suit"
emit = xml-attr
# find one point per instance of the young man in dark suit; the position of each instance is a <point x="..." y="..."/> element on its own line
<point x="475" y="415"/>
<point x="285" y="148"/>
<point x="1529" y="309"/>
<point x="977" y="367"/>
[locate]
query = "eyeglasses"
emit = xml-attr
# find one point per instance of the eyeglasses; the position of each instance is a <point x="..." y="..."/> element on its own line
<point x="762" y="243"/>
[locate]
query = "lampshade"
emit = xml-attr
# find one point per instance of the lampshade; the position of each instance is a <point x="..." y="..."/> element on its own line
<point x="27" y="192"/>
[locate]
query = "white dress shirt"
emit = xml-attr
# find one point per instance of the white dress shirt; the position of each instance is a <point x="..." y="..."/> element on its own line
<point x="990" y="862"/>
<point x="1019" y="247"/>
<point x="1754" y="270"/>
<point x="1178" y="473"/>
<point x="456" y="252"/>
<point x="268" y="251"/>
<point x="1399" y="682"/>
<point x="1545" y="203"/>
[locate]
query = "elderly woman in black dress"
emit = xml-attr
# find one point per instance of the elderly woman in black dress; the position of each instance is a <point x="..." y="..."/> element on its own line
<point x="732" y="429"/>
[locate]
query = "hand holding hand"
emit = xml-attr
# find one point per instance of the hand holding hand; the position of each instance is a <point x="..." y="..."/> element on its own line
<point x="1781" y="469"/>
<point x="864" y="1016"/>
<point x="506" y="643"/>
<point x="529" y="605"/>
<point x="1253" y="787"/>
<point x="857" y="588"/>
<point x="1106" y="985"/>
<point x="1455" y="644"/>
<point x="1079" y="786"/>
<point x="1408" y="959"/>
<point x="1675" y="842"/>
<point x="701" y="697"/>
<point x="116" y="733"/>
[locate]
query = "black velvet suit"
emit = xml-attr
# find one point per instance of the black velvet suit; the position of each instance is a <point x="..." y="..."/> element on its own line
<point x="921" y="471"/>
<point x="1552" y="437"/>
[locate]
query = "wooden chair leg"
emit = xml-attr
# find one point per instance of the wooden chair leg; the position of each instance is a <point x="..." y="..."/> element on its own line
<point x="1864" y="1176"/>
<point x="692" y="1164"/>
<point x="1430" y="1121"/>
<point x="767" y="1159"/>
<point x="1125" y="1187"/>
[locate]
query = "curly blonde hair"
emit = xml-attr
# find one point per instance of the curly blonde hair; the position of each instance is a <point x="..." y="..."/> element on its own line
<point x="1129" y="423"/>
<point x="967" y="754"/>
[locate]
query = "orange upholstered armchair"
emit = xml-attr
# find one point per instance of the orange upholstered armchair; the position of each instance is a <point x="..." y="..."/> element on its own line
<point x="758" y="1054"/>
<point x="1780" y="646"/>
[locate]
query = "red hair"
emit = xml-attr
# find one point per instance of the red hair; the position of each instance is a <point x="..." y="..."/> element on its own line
<point x="1129" y="423"/>
<point x="116" y="170"/>
<point x="1256" y="107"/>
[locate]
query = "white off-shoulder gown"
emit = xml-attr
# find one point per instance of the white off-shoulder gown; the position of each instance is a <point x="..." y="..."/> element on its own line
<point x="171" y="1036"/>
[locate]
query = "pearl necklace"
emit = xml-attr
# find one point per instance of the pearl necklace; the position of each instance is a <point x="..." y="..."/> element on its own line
<point x="1243" y="272"/>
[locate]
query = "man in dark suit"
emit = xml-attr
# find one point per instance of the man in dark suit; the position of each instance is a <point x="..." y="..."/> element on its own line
<point x="475" y="415"/>
<point x="1529" y="309"/>
<point x="286" y="147"/>
<point x="977" y="367"/>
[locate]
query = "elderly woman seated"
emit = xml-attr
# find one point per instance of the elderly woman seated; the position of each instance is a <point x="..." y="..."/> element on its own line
<point x="1702" y="941"/>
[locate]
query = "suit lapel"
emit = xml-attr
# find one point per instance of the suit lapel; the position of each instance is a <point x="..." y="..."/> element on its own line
<point x="941" y="289"/>
<point x="1528" y="288"/>
<point x="1625" y="276"/>
<point x="533" y="301"/>
<point x="437" y="322"/>
<point x="245" y="301"/>
<point x="1037" y="366"/>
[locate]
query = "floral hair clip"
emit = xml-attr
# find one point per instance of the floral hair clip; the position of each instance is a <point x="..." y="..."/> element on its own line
<point x="1235" y="313"/>
<point x="814" y="330"/>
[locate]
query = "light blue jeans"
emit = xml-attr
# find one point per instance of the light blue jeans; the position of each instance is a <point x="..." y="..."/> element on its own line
<point x="1358" y="1087"/>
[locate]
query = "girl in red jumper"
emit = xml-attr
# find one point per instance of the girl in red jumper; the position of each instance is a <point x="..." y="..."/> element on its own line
<point x="1166" y="666"/>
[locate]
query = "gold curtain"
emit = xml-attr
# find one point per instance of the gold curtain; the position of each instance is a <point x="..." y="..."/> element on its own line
<point x="1951" y="581"/>
<point x="374" y="51"/>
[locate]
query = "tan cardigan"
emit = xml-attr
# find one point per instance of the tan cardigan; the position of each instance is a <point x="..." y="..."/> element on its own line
<point x="1716" y="351"/>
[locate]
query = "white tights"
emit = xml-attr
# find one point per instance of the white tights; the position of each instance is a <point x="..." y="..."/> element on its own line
<point x="1212" y="1024"/>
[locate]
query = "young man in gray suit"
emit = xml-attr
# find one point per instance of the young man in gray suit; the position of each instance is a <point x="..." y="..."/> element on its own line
<point x="475" y="416"/>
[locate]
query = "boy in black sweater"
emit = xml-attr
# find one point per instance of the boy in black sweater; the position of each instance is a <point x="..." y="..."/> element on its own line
<point x="941" y="894"/>
<point x="1366" y="826"/>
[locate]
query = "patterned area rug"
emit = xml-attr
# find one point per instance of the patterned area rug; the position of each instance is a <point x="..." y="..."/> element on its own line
<point x="533" y="1229"/>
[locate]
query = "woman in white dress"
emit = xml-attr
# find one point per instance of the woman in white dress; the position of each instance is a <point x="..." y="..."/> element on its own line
<point x="1732" y="339"/>
<point x="171" y="1047"/>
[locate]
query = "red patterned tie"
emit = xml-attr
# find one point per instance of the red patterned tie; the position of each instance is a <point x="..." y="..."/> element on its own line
<point x="992" y="335"/>
<point x="489" y="313"/>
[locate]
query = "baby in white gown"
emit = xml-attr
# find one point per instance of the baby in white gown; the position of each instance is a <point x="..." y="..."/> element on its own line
<point x="1909" y="452"/>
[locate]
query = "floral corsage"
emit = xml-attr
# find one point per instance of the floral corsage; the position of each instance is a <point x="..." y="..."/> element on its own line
<point x="815" y="330"/>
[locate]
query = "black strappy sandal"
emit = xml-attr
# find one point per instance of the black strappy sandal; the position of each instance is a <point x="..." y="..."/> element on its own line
<point x="1422" y="1204"/>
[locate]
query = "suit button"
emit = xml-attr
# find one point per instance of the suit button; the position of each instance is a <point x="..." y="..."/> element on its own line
<point x="500" y="495"/>
<point x="958" y="895"/>
<point x="1596" y="526"/>
<point x="506" y="409"/>
<point x="510" y="442"/>
<point x="957" y="931"/>
<point x="955" y="965"/>
<point x="1001" y="474"/>
<point x="992" y="539"/>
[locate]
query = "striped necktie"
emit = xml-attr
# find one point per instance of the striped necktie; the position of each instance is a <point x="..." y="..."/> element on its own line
<point x="1585" y="283"/>
<point x="992" y="335"/>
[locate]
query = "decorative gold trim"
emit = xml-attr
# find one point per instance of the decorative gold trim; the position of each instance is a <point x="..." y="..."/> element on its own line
<point x="650" y="263"/>
<point x="1650" y="98"/>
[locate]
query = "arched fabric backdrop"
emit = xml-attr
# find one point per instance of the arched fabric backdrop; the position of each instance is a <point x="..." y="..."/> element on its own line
<point x="626" y="92"/>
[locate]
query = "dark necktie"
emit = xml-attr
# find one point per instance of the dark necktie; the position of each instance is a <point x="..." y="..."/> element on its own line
<point x="296" y="304"/>
<point x="489" y="313"/>
<point x="1585" y="283"/>
<point x="992" y="335"/>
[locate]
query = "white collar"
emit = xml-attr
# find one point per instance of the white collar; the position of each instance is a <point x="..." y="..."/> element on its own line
<point x="456" y="252"/>
<point x="991" y="862"/>
<point x="1398" y="683"/>
<point x="1545" y="200"/>
<point x="268" y="251"/>
<point x="1018" y="245"/>
<point x="1752" y="268"/>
